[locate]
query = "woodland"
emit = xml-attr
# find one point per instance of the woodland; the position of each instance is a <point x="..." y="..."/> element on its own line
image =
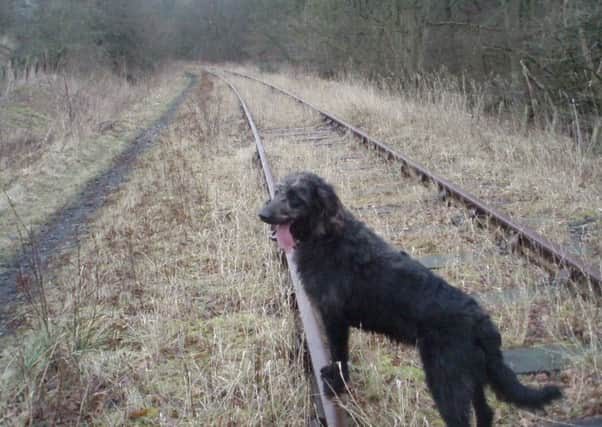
<point x="541" y="59"/>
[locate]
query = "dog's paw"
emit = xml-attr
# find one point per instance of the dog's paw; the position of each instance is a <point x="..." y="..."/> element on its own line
<point x="334" y="378"/>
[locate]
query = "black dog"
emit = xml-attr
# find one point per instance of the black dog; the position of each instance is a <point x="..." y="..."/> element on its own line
<point x="355" y="278"/>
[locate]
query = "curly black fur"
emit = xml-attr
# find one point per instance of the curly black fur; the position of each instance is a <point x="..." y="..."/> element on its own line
<point x="355" y="278"/>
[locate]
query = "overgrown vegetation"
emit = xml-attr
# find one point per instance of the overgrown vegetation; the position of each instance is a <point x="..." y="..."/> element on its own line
<point x="175" y="309"/>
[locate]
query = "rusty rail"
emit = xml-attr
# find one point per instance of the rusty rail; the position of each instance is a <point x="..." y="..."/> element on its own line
<point x="524" y="236"/>
<point x="319" y="355"/>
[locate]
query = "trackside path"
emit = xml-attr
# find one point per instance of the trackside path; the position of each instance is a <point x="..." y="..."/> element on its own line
<point x="65" y="225"/>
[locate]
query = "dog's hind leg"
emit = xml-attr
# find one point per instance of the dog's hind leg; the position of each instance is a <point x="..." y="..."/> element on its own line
<point x="482" y="410"/>
<point x="453" y="402"/>
<point x="450" y="382"/>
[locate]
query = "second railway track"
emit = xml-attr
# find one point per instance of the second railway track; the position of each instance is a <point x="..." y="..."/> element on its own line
<point x="530" y="304"/>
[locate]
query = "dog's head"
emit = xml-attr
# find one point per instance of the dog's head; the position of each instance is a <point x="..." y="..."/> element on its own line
<point x="304" y="207"/>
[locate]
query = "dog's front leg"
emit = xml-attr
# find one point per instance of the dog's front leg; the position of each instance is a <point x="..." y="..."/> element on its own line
<point x="336" y="374"/>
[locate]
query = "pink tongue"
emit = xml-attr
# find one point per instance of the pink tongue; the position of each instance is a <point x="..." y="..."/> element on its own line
<point x="284" y="237"/>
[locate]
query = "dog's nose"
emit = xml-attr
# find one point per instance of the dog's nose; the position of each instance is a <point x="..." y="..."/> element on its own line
<point x="265" y="215"/>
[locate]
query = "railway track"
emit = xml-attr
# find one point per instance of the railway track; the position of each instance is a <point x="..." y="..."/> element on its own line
<point x="470" y="244"/>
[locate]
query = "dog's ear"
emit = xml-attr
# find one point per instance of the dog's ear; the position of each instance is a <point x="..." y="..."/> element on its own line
<point x="331" y="215"/>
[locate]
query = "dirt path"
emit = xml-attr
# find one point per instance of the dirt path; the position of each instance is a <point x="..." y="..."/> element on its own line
<point x="65" y="226"/>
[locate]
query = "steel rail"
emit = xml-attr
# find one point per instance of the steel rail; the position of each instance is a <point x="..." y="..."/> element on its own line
<point x="319" y="355"/>
<point x="524" y="236"/>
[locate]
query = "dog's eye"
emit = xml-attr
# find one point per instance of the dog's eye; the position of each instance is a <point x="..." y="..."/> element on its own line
<point x="294" y="200"/>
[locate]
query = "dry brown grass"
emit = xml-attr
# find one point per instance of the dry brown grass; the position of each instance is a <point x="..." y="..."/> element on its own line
<point x="186" y="318"/>
<point x="177" y="309"/>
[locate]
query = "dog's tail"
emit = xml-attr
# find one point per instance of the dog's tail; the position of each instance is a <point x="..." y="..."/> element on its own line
<point x="503" y="380"/>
